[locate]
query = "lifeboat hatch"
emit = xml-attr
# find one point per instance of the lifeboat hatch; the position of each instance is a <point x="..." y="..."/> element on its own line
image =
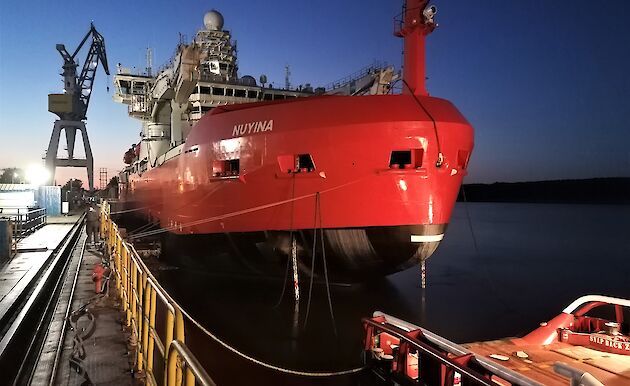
<point x="406" y="159"/>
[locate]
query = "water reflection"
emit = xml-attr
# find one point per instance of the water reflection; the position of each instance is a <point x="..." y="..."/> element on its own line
<point x="531" y="261"/>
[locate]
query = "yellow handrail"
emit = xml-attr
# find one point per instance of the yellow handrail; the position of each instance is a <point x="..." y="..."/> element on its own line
<point x="140" y="296"/>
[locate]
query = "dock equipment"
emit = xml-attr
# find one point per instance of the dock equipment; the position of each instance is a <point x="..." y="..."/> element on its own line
<point x="72" y="105"/>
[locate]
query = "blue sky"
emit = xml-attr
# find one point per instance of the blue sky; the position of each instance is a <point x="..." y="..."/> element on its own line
<point x="546" y="84"/>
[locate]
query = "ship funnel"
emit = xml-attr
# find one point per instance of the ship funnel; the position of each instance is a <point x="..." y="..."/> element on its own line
<point x="414" y="24"/>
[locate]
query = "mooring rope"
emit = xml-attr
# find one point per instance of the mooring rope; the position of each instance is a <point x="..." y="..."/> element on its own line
<point x="78" y="355"/>
<point x="321" y="235"/>
<point x="310" y="286"/>
<point x="440" y="159"/>
<point x="129" y="210"/>
<point x="268" y="365"/>
<point x="291" y="235"/>
<point x="486" y="273"/>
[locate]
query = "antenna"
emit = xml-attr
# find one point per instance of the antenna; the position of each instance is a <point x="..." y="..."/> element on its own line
<point x="287" y="74"/>
<point x="149" y="68"/>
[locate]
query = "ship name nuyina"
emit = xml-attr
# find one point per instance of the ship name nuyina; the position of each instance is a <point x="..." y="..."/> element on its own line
<point x="252" y="127"/>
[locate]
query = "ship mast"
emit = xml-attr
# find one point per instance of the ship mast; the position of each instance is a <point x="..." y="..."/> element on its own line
<point x="414" y="25"/>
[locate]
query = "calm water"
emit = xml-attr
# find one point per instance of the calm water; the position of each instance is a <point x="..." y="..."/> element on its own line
<point x="525" y="263"/>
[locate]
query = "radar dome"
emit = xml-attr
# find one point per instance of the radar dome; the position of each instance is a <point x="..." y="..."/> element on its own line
<point x="248" y="80"/>
<point x="213" y="20"/>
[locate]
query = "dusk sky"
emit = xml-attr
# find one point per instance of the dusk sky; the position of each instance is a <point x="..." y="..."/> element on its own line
<point x="546" y="84"/>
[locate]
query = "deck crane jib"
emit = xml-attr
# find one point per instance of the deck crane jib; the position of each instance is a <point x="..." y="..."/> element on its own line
<point x="81" y="87"/>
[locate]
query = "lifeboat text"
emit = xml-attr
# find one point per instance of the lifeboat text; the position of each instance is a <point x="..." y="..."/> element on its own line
<point x="252" y="127"/>
<point x="608" y="342"/>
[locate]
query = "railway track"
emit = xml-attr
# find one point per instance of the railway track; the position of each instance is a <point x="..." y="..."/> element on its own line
<point x="25" y="326"/>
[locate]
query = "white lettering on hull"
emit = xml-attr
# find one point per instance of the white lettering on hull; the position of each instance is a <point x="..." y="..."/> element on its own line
<point x="252" y="128"/>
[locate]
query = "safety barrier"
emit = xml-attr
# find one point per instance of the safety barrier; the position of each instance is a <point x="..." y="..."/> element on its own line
<point x="25" y="220"/>
<point x="141" y="297"/>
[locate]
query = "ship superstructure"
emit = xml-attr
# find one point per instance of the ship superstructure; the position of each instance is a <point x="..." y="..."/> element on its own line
<point x="201" y="76"/>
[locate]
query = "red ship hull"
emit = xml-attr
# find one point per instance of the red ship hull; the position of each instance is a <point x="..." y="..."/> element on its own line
<point x="240" y="173"/>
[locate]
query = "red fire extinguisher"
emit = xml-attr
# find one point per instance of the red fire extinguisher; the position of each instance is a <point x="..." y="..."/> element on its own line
<point x="97" y="277"/>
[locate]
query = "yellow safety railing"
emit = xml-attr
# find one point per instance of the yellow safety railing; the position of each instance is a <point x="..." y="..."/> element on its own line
<point x="141" y="296"/>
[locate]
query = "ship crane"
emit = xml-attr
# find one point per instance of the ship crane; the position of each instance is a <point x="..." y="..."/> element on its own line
<point x="71" y="106"/>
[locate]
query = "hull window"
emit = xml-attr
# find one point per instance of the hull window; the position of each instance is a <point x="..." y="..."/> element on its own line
<point x="304" y="163"/>
<point x="462" y="159"/>
<point x="298" y="163"/>
<point x="226" y="168"/>
<point x="406" y="159"/>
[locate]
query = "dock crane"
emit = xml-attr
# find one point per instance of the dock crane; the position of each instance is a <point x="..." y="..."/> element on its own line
<point x="71" y="106"/>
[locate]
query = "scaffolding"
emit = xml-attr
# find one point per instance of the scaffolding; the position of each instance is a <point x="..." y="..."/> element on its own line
<point x="102" y="175"/>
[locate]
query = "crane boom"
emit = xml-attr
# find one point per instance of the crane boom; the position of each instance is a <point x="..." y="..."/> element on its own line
<point x="88" y="73"/>
<point x="81" y="87"/>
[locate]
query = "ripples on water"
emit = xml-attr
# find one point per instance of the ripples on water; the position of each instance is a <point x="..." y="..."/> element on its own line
<point x="531" y="261"/>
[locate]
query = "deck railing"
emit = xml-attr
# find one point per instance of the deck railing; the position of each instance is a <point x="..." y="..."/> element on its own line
<point x="422" y="356"/>
<point x="141" y="298"/>
<point x="25" y="220"/>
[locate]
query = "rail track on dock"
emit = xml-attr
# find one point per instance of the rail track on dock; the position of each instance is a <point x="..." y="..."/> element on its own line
<point x="25" y="324"/>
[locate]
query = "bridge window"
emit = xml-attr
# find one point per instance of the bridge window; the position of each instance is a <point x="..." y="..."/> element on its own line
<point x="252" y="94"/>
<point x="218" y="91"/>
<point x="239" y="93"/>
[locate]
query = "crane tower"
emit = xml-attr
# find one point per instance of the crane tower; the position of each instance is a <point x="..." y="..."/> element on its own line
<point x="71" y="106"/>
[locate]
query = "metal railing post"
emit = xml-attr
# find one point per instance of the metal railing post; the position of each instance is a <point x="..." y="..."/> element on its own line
<point x="190" y="377"/>
<point x="128" y="288"/>
<point x="134" y="292"/>
<point x="169" y="367"/>
<point x="171" y="363"/>
<point x="145" y="323"/>
<point x="141" y="323"/>
<point x="151" y="328"/>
